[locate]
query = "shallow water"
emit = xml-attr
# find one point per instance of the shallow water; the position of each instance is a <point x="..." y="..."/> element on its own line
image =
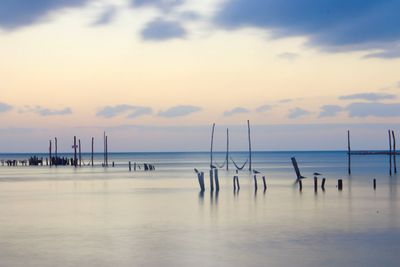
<point x="62" y="216"/>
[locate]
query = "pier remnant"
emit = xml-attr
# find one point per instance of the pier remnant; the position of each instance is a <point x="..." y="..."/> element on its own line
<point x="50" y="153"/>
<point x="348" y="152"/>
<point x="236" y="183"/>
<point x="216" y="179"/>
<point x="80" y="153"/>
<point x="315" y="184"/>
<point x="227" y="149"/>
<point x="212" y="143"/>
<point x="390" y="153"/>
<point x="56" y="150"/>
<point x="340" y="185"/>
<point x="130" y="166"/>
<point x="265" y="183"/>
<point x="394" y="152"/>
<point x="255" y="182"/>
<point x="249" y="137"/>
<point x="92" y="151"/>
<point x="211" y="180"/>
<point x="374" y="184"/>
<point x="323" y="184"/>
<point x="75" y="155"/>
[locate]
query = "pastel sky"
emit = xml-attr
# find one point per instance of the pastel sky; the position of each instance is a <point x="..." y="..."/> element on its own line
<point x="155" y="74"/>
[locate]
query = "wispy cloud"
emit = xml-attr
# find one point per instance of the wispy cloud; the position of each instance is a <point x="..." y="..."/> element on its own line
<point x="386" y="54"/>
<point x="5" y="107"/>
<point x="163" y="30"/>
<point x="18" y="13"/>
<point x="368" y="96"/>
<point x="329" y="110"/>
<point x="264" y="108"/>
<point x="106" y="17"/>
<point x="373" y="109"/>
<point x="179" y="111"/>
<point x="288" y="56"/>
<point x="164" y="5"/>
<point x="235" y="111"/>
<point x="297" y="113"/>
<point x="129" y="110"/>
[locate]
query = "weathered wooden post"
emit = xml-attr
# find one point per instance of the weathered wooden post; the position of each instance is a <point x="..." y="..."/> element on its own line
<point x="104" y="153"/>
<point x="212" y="143"/>
<point x="394" y="152"/>
<point x="340" y="184"/>
<point x="216" y="178"/>
<point x="106" y="150"/>
<point x="56" y="150"/>
<point x="315" y="184"/>
<point x="249" y="137"/>
<point x="236" y="182"/>
<point x="80" y="153"/>
<point x="390" y="153"/>
<point x="227" y="149"/>
<point x="130" y="166"/>
<point x="75" y="156"/>
<point x="134" y="166"/>
<point x="47" y="161"/>
<point x="255" y="182"/>
<point x="50" y="153"/>
<point x="265" y="183"/>
<point x="348" y="152"/>
<point x="300" y="185"/>
<point x="92" y="151"/>
<point x="211" y="180"/>
<point x="113" y="164"/>
<point x="323" y="184"/>
<point x="374" y="182"/>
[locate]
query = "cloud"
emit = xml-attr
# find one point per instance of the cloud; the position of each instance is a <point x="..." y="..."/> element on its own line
<point x="263" y="108"/>
<point x="5" y="107"/>
<point x="45" y="112"/>
<point x="386" y="54"/>
<point x="328" y="24"/>
<point x="234" y="111"/>
<point x="162" y="30"/>
<point x="106" y="17"/>
<point x="373" y="109"/>
<point x="179" y="111"/>
<point x="288" y="56"/>
<point x="129" y="110"/>
<point x="297" y="113"/>
<point x="286" y="100"/>
<point x="368" y="96"/>
<point x="164" y="5"/>
<point x="329" y="110"/>
<point x="18" y="13"/>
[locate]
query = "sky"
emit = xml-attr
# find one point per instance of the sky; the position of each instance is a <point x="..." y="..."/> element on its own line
<point x="155" y="74"/>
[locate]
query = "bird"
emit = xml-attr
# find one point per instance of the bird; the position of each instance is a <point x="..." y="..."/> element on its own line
<point x="316" y="173"/>
<point x="196" y="170"/>
<point x="255" y="171"/>
<point x="213" y="166"/>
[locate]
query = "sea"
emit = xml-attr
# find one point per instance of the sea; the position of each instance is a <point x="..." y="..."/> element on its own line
<point x="97" y="216"/>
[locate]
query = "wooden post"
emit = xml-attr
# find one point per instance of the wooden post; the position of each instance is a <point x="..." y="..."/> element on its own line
<point x="348" y="152"/>
<point x="315" y="184"/>
<point x="323" y="184"/>
<point x="211" y="180"/>
<point x="216" y="178"/>
<point x="374" y="184"/>
<point x="92" y="151"/>
<point x="56" y="150"/>
<point x="265" y="183"/>
<point x="390" y="153"/>
<point x="255" y="182"/>
<point x="394" y="152"/>
<point x="236" y="182"/>
<point x="227" y="149"/>
<point x="50" y="152"/>
<point x="200" y="177"/>
<point x="340" y="184"/>
<point x="134" y="166"/>
<point x="212" y="143"/>
<point x="296" y="168"/>
<point x="47" y="161"/>
<point x="107" y="150"/>
<point x="80" y="153"/>
<point x="104" y="145"/>
<point x="300" y="185"/>
<point x="249" y="136"/>
<point x="130" y="166"/>
<point x="75" y="156"/>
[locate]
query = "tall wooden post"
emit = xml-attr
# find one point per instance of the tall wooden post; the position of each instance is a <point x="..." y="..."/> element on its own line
<point x="227" y="149"/>
<point x="75" y="157"/>
<point x="348" y="152"/>
<point x="394" y="152"/>
<point x="104" y="144"/>
<point x="50" y="152"/>
<point x="107" y="150"/>
<point x="56" y="150"/>
<point x="80" y="153"/>
<point x="212" y="144"/>
<point x="248" y="132"/>
<point x="390" y="153"/>
<point x="92" y="150"/>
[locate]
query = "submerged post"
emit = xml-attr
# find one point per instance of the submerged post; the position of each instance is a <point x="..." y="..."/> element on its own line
<point x="390" y="154"/>
<point x="75" y="156"/>
<point x="249" y="136"/>
<point x="255" y="183"/>
<point x="236" y="182"/>
<point x="107" y="150"/>
<point x="130" y="166"/>
<point x="212" y="143"/>
<point x="348" y="152"/>
<point x="340" y="185"/>
<point x="56" y="150"/>
<point x="374" y="184"/>
<point x="50" y="152"/>
<point x="300" y="185"/>
<point x="265" y="183"/>
<point x="315" y="184"/>
<point x="216" y="178"/>
<point x="394" y="152"/>
<point x="104" y="145"/>
<point x="227" y="149"/>
<point x="323" y="184"/>
<point x="200" y="177"/>
<point x="92" y="150"/>
<point x="211" y="180"/>
<point x="80" y="153"/>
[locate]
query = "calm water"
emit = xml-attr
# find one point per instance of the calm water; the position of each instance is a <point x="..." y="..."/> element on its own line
<point x="92" y="216"/>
